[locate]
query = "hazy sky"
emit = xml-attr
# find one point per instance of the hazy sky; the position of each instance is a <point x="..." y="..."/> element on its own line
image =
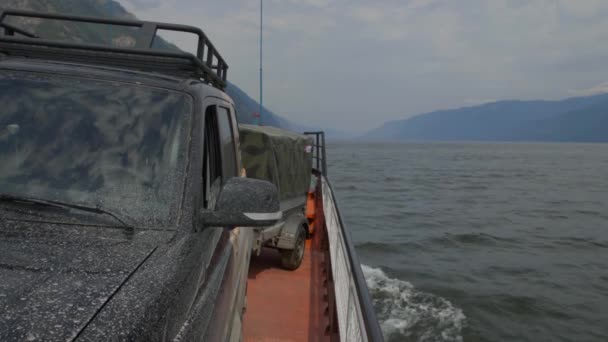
<point x="354" y="64"/>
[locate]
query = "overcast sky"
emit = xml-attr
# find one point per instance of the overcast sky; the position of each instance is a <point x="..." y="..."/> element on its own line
<point x="354" y="64"/>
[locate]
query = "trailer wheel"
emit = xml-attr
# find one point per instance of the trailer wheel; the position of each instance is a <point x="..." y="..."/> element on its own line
<point x="291" y="259"/>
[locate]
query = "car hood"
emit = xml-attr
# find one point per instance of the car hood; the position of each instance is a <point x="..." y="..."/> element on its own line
<point x="55" y="278"/>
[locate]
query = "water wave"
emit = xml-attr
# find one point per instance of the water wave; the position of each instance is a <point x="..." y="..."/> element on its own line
<point x="514" y="236"/>
<point x="406" y="314"/>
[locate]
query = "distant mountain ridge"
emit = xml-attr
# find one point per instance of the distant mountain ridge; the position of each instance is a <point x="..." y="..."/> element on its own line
<point x="581" y="119"/>
<point x="245" y="105"/>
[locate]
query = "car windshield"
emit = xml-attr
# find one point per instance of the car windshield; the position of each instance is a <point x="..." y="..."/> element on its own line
<point x="117" y="146"/>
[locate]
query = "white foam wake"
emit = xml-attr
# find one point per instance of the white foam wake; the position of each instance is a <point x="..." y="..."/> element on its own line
<point x="408" y="314"/>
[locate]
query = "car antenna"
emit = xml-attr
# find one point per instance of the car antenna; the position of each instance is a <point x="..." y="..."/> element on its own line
<point x="258" y="120"/>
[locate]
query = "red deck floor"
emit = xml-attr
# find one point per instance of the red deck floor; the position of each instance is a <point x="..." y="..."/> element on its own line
<point x="285" y="305"/>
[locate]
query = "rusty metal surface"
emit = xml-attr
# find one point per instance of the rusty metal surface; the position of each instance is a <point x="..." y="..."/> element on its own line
<point x="285" y="305"/>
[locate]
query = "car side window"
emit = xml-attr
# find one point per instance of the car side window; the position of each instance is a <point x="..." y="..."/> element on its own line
<point x="228" y="148"/>
<point x="212" y="168"/>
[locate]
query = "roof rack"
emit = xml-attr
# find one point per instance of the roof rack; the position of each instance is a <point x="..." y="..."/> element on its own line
<point x="207" y="64"/>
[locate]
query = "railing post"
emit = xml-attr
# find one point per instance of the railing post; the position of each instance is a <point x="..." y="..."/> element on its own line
<point x="318" y="156"/>
<point x="319" y="153"/>
<point x="324" y="155"/>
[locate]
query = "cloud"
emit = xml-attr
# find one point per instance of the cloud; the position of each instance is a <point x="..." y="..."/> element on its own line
<point x="312" y="3"/>
<point x="477" y="102"/>
<point x="377" y="60"/>
<point x="143" y="4"/>
<point x="601" y="88"/>
<point x="583" y="8"/>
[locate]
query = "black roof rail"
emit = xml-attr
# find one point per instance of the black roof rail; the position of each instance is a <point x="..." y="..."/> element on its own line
<point x="207" y="64"/>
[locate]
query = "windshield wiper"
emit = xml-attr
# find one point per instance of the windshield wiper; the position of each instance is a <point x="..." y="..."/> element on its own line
<point x="59" y="204"/>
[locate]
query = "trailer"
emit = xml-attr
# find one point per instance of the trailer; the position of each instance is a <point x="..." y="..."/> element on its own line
<point x="283" y="158"/>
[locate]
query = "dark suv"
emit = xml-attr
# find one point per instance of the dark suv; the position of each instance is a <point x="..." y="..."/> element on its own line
<point x="120" y="190"/>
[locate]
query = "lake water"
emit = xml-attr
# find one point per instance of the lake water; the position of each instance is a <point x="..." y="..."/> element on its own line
<point x="480" y="242"/>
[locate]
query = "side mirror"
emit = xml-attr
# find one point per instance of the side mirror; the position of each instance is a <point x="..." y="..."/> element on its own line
<point x="245" y="202"/>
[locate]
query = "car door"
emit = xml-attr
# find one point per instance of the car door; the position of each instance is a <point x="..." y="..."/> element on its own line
<point x="221" y="149"/>
<point x="241" y="239"/>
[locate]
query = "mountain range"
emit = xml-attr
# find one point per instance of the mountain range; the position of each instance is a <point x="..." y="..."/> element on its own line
<point x="580" y="119"/>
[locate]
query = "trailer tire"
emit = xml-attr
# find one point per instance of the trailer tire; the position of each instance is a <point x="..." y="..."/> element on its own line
<point x="291" y="259"/>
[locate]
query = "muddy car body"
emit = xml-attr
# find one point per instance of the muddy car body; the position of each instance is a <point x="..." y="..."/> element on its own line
<point x="120" y="194"/>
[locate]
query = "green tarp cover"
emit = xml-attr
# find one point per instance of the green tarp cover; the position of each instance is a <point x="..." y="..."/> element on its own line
<point x="281" y="157"/>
